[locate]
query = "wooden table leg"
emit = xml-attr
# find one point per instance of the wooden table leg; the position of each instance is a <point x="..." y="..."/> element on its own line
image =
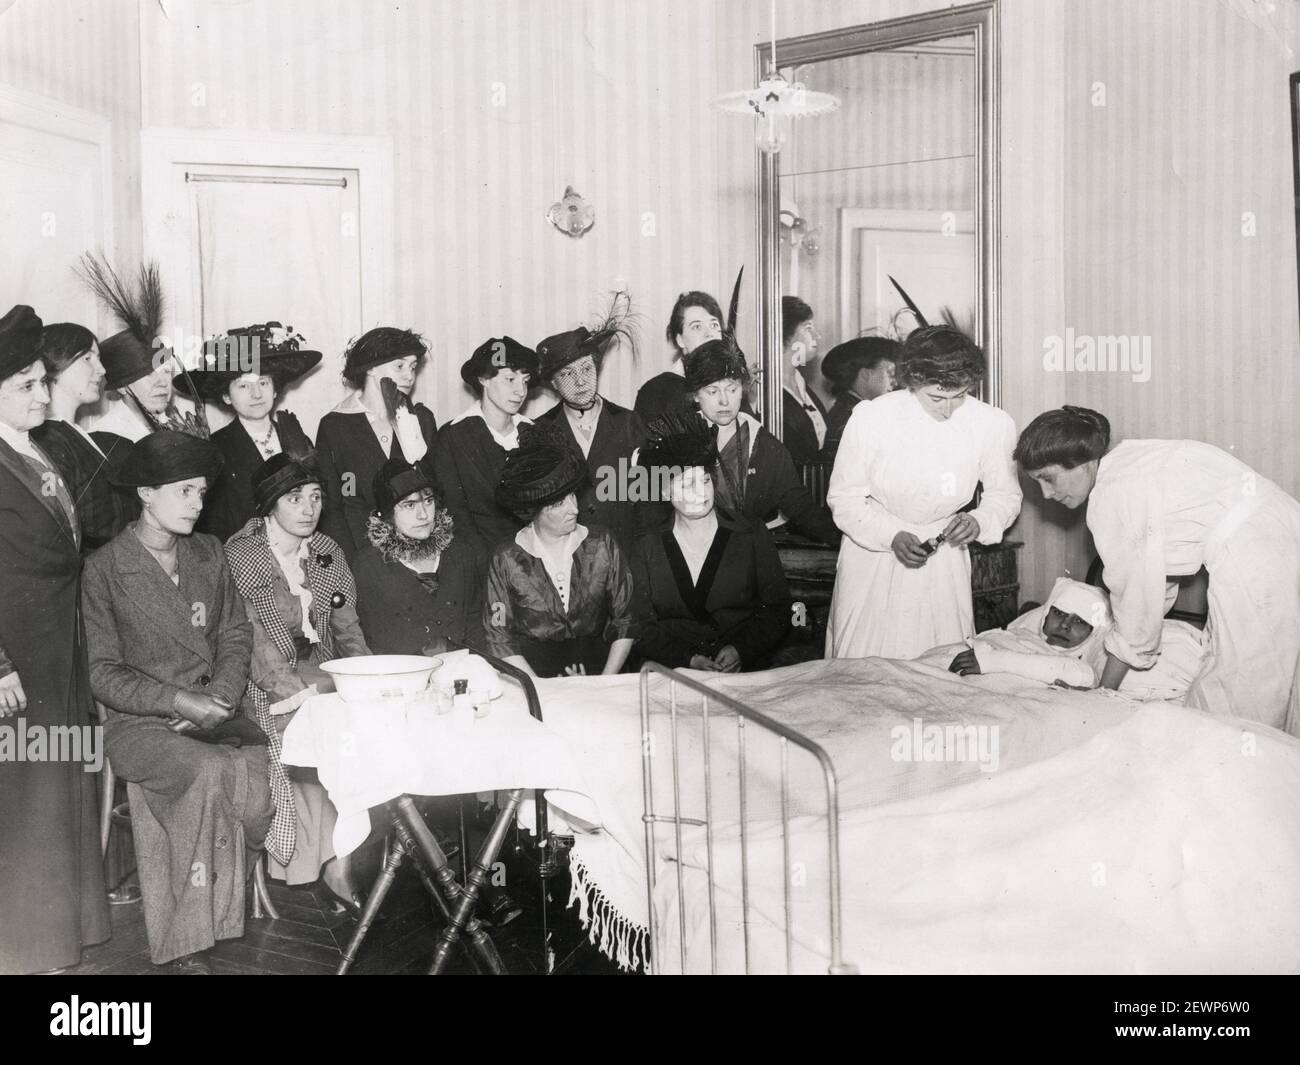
<point x="378" y="893"/>
<point x="464" y="904"/>
<point x="426" y="877"/>
<point x="460" y="899"/>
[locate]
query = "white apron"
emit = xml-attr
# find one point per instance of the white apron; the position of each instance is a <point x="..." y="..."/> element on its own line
<point x="1164" y="508"/>
<point x="899" y="469"/>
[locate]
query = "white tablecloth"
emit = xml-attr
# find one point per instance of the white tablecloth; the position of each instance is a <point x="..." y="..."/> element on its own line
<point x="368" y="754"/>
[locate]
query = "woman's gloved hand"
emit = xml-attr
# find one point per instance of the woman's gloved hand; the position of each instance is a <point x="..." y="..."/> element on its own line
<point x="205" y="711"/>
<point x="965" y="663"/>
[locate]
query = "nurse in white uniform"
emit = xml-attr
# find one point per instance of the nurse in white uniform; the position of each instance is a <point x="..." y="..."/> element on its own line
<point x="907" y="462"/>
<point x="1159" y="509"/>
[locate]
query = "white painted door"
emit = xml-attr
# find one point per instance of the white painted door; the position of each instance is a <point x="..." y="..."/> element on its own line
<point x="274" y="244"/>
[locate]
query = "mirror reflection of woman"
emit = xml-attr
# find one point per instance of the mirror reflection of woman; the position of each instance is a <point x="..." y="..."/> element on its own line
<point x="710" y="593"/>
<point x="1162" y="509"/>
<point x="803" y="414"/>
<point x="419" y="585"/>
<point x="908" y="461"/>
<point x="302" y="603"/>
<point x="559" y="595"/>
<point x="76" y="379"/>
<point x="169" y="651"/>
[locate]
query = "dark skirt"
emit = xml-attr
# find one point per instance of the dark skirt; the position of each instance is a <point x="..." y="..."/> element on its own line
<point x="548" y="658"/>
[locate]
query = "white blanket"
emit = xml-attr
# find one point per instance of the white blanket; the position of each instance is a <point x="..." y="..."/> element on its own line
<point x="1108" y="838"/>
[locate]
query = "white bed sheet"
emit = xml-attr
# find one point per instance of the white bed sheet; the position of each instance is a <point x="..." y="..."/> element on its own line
<point x="1111" y="837"/>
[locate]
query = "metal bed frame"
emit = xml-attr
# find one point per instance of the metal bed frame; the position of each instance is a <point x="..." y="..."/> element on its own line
<point x="746" y="719"/>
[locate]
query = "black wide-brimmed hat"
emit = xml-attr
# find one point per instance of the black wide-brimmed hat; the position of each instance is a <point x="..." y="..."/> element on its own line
<point x="166" y="456"/>
<point x="253" y="349"/>
<point x="20" y="336"/>
<point x="838" y="363"/>
<point x="678" y="440"/>
<point x="396" y="480"/>
<point x="499" y="353"/>
<point x="543" y="469"/>
<point x="557" y="351"/>
<point x="715" y="360"/>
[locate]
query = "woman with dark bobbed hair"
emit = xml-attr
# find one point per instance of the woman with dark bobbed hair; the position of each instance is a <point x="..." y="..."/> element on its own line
<point x="377" y="422"/>
<point x="908" y="462"/>
<point x="695" y="319"/>
<point x="559" y="595"/>
<point x="70" y="354"/>
<point x="1159" y="509"/>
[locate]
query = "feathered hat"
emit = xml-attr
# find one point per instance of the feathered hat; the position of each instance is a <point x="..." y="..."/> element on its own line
<point x="557" y="351"/>
<point x="269" y="349"/>
<point x="137" y="350"/>
<point x="679" y="440"/>
<point x="543" y="469"/>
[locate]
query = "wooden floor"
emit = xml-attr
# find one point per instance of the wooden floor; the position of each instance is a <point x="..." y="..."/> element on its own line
<point x="305" y="941"/>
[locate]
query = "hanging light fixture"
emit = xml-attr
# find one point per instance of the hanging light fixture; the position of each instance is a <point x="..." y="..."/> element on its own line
<point x="775" y="102"/>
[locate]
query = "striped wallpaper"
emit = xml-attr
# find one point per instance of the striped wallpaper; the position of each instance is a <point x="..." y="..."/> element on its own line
<point x="608" y="97"/>
<point x="1123" y="219"/>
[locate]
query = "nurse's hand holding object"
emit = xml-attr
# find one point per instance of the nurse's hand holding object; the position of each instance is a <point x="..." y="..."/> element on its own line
<point x="909" y="550"/>
<point x="13" y="699"/>
<point x="961" y="530"/>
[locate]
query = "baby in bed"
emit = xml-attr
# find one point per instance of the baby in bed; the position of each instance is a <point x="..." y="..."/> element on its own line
<point x="1061" y="642"/>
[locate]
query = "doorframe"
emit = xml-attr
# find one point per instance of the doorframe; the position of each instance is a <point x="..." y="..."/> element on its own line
<point x="166" y="212"/>
<point x="47" y="115"/>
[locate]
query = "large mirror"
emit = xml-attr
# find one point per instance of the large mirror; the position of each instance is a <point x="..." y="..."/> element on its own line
<point x="899" y="182"/>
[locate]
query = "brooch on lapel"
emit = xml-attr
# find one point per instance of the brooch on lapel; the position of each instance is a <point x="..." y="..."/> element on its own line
<point x="751" y="469"/>
<point x="324" y="560"/>
<point x="337" y="600"/>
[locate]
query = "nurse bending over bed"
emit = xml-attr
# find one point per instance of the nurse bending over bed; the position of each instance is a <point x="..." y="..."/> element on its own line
<point x="1163" y="508"/>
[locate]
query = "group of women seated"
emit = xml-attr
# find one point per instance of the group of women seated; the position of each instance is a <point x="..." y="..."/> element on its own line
<point x="390" y="535"/>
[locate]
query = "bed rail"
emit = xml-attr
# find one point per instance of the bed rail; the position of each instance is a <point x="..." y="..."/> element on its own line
<point x="746" y="719"/>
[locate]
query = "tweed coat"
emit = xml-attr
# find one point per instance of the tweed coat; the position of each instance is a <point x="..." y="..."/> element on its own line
<point x="194" y="806"/>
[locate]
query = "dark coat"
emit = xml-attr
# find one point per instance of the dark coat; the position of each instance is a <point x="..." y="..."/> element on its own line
<point x="399" y="615"/>
<point x="773" y="486"/>
<point x="742" y="598"/>
<point x="52" y="900"/>
<point x="797" y="432"/>
<point x="840" y="412"/>
<point x="468" y="466"/>
<point x="349" y="456"/>
<point x="619" y="432"/>
<point x="229" y="502"/>
<point x="102" y="510"/>
<point x="194" y="806"/>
